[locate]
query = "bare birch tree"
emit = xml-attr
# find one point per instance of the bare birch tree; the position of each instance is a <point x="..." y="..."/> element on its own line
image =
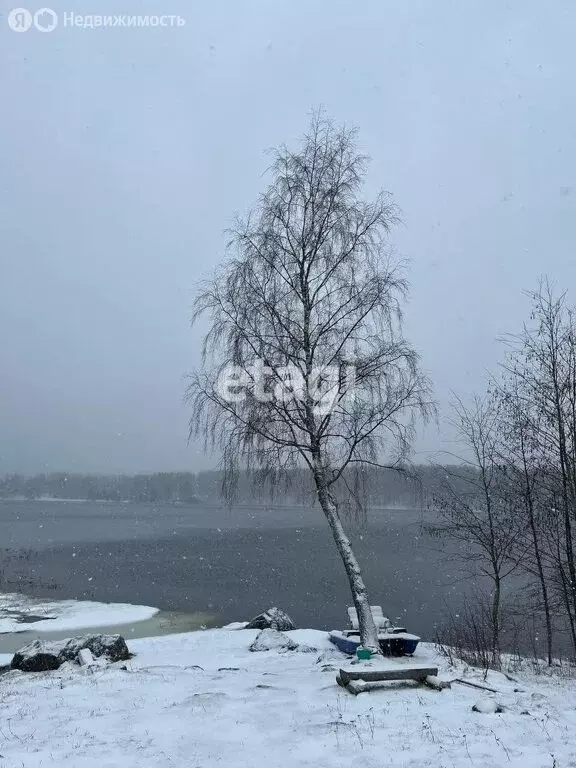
<point x="305" y="364"/>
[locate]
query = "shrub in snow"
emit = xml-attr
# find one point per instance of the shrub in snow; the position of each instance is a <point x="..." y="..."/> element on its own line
<point x="40" y="656"/>
<point x="273" y="618"/>
<point x="271" y="639"/>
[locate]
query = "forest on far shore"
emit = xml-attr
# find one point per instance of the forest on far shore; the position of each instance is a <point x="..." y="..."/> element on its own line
<point x="379" y="487"/>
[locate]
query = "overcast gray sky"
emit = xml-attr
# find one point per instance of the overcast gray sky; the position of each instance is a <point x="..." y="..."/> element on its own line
<point x="125" y="152"/>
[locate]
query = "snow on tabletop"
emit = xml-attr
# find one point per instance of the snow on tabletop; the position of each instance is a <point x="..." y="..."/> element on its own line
<point x="16" y="612"/>
<point x="203" y="699"/>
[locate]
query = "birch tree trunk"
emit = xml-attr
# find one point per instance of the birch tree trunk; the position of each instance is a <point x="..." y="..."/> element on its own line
<point x="495" y="621"/>
<point x="368" y="631"/>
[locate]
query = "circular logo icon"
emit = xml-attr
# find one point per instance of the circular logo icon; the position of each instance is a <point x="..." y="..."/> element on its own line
<point x="19" y="19"/>
<point x="45" y="20"/>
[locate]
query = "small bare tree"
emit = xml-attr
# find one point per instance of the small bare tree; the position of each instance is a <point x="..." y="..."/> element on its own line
<point x="305" y="364"/>
<point x="520" y="425"/>
<point x="542" y="367"/>
<point x="477" y="508"/>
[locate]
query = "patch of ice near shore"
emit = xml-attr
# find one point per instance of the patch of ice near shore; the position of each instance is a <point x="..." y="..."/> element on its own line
<point x="19" y="613"/>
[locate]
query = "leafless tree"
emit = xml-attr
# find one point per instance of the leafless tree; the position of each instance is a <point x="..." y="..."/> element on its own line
<point x="310" y="285"/>
<point x="542" y="366"/>
<point x="476" y="507"/>
<point x="521" y="459"/>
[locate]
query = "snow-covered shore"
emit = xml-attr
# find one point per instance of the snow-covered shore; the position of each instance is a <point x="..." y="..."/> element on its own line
<point x="203" y="699"/>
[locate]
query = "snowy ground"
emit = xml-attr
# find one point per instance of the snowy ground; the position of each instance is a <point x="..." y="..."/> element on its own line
<point x="19" y="613"/>
<point x="203" y="699"/>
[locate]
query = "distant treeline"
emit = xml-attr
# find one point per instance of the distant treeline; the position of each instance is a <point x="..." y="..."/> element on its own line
<point x="160" y="486"/>
<point x="376" y="487"/>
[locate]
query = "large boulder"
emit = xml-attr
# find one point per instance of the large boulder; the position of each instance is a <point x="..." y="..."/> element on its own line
<point x="272" y="640"/>
<point x="41" y="656"/>
<point x="112" y="647"/>
<point x="38" y="656"/>
<point x="273" y="618"/>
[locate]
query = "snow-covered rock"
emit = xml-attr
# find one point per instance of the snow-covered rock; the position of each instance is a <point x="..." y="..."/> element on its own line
<point x="112" y="647"/>
<point x="330" y="657"/>
<point x="236" y="625"/>
<point x="41" y="656"/>
<point x="85" y="657"/>
<point x="272" y="640"/>
<point x="487" y="706"/>
<point x="273" y="618"/>
<point x="38" y="656"/>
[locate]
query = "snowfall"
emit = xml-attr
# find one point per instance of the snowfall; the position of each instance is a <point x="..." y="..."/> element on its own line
<point x="204" y="699"/>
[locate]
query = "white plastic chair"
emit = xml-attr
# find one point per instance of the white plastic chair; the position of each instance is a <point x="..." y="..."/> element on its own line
<point x="382" y="622"/>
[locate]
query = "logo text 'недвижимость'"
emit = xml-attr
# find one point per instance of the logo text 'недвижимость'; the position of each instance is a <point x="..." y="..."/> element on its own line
<point x="46" y="20"/>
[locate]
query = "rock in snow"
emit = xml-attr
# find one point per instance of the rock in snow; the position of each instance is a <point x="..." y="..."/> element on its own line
<point x="273" y="618"/>
<point x="487" y="706"/>
<point x="236" y="625"/>
<point x="41" y="656"/>
<point x="112" y="647"/>
<point x="37" y="657"/>
<point x="271" y="639"/>
<point x="85" y="657"/>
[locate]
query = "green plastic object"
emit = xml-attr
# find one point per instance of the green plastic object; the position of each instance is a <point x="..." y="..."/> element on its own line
<point x="363" y="653"/>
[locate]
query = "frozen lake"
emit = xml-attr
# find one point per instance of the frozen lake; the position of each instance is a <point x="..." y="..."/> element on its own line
<point x="229" y="564"/>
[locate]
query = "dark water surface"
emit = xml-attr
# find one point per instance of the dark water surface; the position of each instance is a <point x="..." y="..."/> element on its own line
<point x="230" y="564"/>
